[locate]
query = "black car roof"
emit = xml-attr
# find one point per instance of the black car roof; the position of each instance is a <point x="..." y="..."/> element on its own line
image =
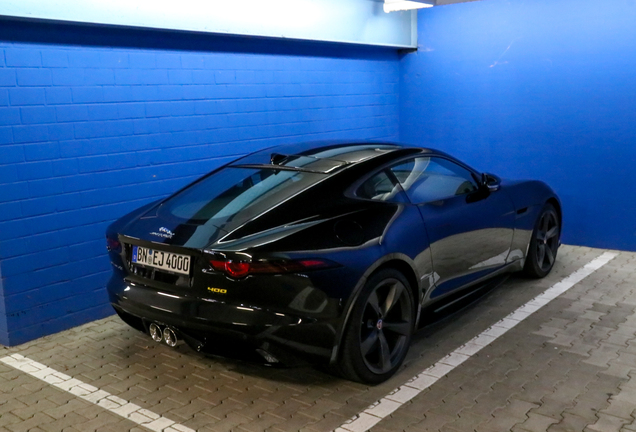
<point x="323" y="157"/>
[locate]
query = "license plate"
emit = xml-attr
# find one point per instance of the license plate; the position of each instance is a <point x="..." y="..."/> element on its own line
<point x="169" y="261"/>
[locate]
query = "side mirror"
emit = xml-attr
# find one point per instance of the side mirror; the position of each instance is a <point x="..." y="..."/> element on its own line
<point x="490" y="182"/>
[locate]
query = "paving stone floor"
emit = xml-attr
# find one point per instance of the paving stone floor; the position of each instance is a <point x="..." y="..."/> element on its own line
<point x="570" y="366"/>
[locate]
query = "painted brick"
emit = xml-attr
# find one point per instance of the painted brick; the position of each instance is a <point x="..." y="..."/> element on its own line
<point x="67" y="76"/>
<point x="149" y="157"/>
<point x="46" y="187"/>
<point x="4" y="97"/>
<point x="35" y="170"/>
<point x="38" y="206"/>
<point x="60" y="132"/>
<point x="7" y="78"/>
<point x="142" y="60"/>
<point x="54" y="58"/>
<point x="145" y="126"/>
<point x="131" y="110"/>
<point x="168" y="61"/>
<point x="71" y="113"/>
<point x="141" y="77"/>
<point x="27" y="263"/>
<point x="170" y="92"/>
<point x="28" y="134"/>
<point x="58" y="96"/>
<point x="178" y="76"/>
<point x="193" y="61"/>
<point x="73" y="148"/>
<point x="166" y="109"/>
<point x="68" y="202"/>
<point x="122" y="160"/>
<point x="103" y="112"/>
<point x="9" y="116"/>
<point x="33" y="77"/>
<point x="14" y="191"/>
<point x="194" y="92"/>
<point x="146" y="93"/>
<point x="14" y="228"/>
<point x="34" y="243"/>
<point x="42" y="151"/>
<point x="59" y="324"/>
<point x="97" y="77"/>
<point x="87" y="94"/>
<point x="37" y="115"/>
<point x="23" y="57"/>
<point x="26" y="96"/>
<point x="6" y="135"/>
<point x="118" y="144"/>
<point x="93" y="164"/>
<point x="51" y="278"/>
<point x="104" y="129"/>
<point x="8" y="173"/>
<point x="10" y="211"/>
<point x="203" y="77"/>
<point x="118" y="94"/>
<point x="98" y="58"/>
<point x="65" y="167"/>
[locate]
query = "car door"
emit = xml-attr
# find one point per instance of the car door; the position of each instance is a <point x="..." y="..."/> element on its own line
<point x="470" y="228"/>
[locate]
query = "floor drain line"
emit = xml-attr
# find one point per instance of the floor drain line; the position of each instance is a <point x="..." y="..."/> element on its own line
<point x="401" y="395"/>
<point x="92" y="394"/>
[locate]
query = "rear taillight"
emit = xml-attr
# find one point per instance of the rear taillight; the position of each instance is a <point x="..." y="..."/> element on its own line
<point x="112" y="244"/>
<point x="239" y="269"/>
<point x="236" y="269"/>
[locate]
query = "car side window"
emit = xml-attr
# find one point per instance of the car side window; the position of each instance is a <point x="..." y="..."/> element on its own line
<point x="379" y="187"/>
<point x="426" y="179"/>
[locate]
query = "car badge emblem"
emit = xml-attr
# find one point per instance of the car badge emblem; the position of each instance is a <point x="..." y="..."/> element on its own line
<point x="163" y="232"/>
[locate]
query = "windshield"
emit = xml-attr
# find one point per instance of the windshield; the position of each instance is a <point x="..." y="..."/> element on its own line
<point x="249" y="191"/>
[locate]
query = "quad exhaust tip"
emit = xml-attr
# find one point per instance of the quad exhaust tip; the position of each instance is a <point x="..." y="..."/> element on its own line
<point x="170" y="337"/>
<point x="166" y="334"/>
<point x="155" y="332"/>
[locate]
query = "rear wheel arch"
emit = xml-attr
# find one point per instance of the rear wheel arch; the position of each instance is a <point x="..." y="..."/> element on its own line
<point x="371" y="352"/>
<point x="557" y="205"/>
<point x="396" y="262"/>
<point x="544" y="242"/>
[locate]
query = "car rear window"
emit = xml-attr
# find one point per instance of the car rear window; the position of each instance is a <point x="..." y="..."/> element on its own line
<point x="233" y="190"/>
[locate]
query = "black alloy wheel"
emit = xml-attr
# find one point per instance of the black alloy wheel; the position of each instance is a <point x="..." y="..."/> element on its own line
<point x="544" y="243"/>
<point x="379" y="333"/>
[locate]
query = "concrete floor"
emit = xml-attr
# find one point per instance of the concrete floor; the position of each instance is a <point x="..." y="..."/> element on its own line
<point x="569" y="366"/>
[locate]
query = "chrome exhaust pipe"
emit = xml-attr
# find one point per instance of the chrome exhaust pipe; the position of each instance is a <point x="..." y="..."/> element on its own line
<point x="155" y="332"/>
<point x="170" y="337"/>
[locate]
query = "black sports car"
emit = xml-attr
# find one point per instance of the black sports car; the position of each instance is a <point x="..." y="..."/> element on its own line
<point x="332" y="253"/>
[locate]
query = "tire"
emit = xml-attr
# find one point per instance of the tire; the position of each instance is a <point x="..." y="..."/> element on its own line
<point x="379" y="331"/>
<point x="544" y="243"/>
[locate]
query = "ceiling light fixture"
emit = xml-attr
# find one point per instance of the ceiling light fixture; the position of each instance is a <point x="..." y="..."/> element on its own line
<point x="401" y="5"/>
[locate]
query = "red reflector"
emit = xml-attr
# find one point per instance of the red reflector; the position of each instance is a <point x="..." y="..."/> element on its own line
<point x="312" y="263"/>
<point x="112" y="244"/>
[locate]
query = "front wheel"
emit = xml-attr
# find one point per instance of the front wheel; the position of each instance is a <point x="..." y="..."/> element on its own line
<point x="544" y="243"/>
<point x="379" y="332"/>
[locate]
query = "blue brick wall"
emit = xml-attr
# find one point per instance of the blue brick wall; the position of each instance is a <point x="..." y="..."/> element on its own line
<point x="90" y="132"/>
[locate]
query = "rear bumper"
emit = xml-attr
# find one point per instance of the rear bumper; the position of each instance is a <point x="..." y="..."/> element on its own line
<point x="222" y="328"/>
